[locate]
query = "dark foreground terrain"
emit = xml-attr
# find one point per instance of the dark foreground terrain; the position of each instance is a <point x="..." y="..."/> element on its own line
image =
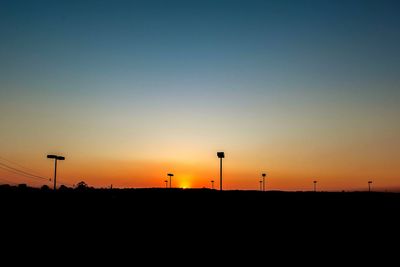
<point x="158" y="218"/>
<point x="201" y="206"/>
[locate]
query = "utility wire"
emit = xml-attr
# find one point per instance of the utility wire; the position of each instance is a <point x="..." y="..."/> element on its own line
<point x="19" y="165"/>
<point x="26" y="174"/>
<point x="12" y="169"/>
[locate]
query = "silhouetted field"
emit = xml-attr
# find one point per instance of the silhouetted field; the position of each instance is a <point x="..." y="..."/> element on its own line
<point x="194" y="207"/>
<point x="151" y="218"/>
<point x="203" y="204"/>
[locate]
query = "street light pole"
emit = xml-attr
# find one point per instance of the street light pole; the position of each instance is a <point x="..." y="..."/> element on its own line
<point x="56" y="158"/>
<point x="220" y="155"/>
<point x="212" y="184"/>
<point x="369" y="186"/>
<point x="263" y="180"/>
<point x="315" y="186"/>
<point x="55" y="173"/>
<point x="170" y="183"/>
<point x="261" y="184"/>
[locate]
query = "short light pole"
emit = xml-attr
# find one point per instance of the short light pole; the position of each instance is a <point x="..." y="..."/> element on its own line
<point x="261" y="184"/>
<point x="212" y="184"/>
<point x="220" y="155"/>
<point x="56" y="158"/>
<point x="369" y="186"/>
<point x="315" y="186"/>
<point x="170" y="183"/>
<point x="166" y="183"/>
<point x="263" y="180"/>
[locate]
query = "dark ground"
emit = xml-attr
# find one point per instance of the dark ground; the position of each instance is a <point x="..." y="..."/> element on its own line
<point x="191" y="218"/>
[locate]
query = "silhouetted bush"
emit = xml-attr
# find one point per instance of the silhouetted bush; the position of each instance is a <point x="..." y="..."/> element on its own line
<point x="22" y="186"/>
<point x="64" y="188"/>
<point x="5" y="186"/>
<point x="45" y="188"/>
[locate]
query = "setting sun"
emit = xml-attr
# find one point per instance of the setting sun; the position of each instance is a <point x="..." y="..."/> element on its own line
<point x="184" y="184"/>
<point x="185" y="181"/>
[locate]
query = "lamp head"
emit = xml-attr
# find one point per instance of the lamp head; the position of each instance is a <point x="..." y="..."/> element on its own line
<point x="221" y="155"/>
<point x="55" y="157"/>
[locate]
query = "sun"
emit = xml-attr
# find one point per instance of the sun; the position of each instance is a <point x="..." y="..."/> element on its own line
<point x="184" y="185"/>
<point x="185" y="181"/>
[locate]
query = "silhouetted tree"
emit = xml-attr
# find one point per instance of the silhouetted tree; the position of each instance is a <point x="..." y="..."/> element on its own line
<point x="81" y="185"/>
<point x="45" y="188"/>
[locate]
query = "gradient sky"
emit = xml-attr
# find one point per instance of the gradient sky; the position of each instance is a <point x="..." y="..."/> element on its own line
<point x="130" y="90"/>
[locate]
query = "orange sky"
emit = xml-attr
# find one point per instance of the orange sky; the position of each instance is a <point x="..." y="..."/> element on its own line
<point x="293" y="148"/>
<point x="285" y="171"/>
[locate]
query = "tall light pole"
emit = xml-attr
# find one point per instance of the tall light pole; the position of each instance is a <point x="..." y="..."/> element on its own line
<point x="170" y="183"/>
<point x="315" y="186"/>
<point x="56" y="158"/>
<point x="220" y="155"/>
<point x="369" y="186"/>
<point x="166" y="183"/>
<point x="263" y="180"/>
<point x="261" y="184"/>
<point x="212" y="184"/>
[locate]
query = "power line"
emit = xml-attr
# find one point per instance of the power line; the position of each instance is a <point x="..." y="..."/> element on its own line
<point x="28" y="171"/>
<point x="14" y="183"/>
<point x="36" y="178"/>
<point x="31" y="174"/>
<point x="23" y="172"/>
<point x="19" y="165"/>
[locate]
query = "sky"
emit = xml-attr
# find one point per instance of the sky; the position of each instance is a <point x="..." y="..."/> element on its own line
<point x="128" y="91"/>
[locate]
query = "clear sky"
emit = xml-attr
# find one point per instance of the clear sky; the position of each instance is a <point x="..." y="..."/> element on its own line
<point x="130" y="90"/>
